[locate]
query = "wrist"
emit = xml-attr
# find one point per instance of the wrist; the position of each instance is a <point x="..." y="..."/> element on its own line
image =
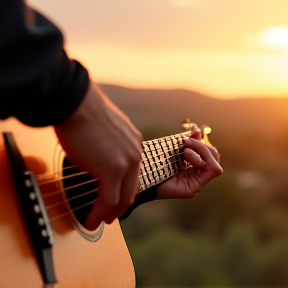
<point x="90" y="106"/>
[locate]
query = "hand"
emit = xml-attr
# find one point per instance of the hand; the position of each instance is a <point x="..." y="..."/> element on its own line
<point x="100" y="139"/>
<point x="205" y="162"/>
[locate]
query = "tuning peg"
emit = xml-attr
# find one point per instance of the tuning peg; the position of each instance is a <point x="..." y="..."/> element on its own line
<point x="187" y="125"/>
<point x="205" y="131"/>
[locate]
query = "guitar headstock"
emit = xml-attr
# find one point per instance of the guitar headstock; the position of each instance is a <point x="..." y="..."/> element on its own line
<point x="204" y="130"/>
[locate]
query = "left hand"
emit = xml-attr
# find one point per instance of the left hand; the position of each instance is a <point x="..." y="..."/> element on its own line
<point x="205" y="162"/>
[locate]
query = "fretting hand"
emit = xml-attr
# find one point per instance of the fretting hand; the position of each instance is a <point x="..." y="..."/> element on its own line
<point x="205" y="162"/>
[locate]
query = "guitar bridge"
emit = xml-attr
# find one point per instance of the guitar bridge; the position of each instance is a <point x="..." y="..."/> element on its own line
<point x="33" y="210"/>
<point x="43" y="227"/>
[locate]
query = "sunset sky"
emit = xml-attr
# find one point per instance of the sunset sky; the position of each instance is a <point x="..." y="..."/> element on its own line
<point x="223" y="48"/>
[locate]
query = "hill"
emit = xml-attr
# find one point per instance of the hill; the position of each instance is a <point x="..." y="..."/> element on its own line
<point x="168" y="108"/>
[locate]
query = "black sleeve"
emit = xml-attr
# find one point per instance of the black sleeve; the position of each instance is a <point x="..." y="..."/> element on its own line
<point x="39" y="84"/>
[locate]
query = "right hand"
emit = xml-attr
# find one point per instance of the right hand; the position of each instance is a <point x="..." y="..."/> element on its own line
<point x="100" y="139"/>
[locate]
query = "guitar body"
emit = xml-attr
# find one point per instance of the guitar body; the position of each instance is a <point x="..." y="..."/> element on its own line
<point x="77" y="261"/>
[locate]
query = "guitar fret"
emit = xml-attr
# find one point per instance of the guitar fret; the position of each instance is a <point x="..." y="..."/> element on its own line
<point x="157" y="173"/>
<point x="143" y="169"/>
<point x="166" y="169"/>
<point x="149" y="179"/>
<point x="169" y="162"/>
<point x="158" y="152"/>
<point x="161" y="159"/>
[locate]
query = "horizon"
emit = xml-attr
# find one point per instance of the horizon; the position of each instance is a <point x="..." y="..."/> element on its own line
<point x="192" y="44"/>
<point x="202" y="94"/>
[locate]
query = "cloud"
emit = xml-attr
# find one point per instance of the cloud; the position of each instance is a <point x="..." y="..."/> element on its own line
<point x="187" y="3"/>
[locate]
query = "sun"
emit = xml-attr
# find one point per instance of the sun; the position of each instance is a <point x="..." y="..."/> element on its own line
<point x="274" y="37"/>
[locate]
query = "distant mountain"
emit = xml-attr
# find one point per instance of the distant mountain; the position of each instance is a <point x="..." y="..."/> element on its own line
<point x="168" y="108"/>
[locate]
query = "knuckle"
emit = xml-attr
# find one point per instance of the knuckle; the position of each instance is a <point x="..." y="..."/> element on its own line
<point x="119" y="167"/>
<point x="135" y="157"/>
<point x="140" y="137"/>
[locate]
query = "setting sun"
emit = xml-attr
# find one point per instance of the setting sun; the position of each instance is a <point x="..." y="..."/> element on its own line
<point x="275" y="37"/>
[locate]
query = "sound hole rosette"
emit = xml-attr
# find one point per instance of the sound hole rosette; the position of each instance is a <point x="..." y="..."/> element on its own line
<point x="79" y="192"/>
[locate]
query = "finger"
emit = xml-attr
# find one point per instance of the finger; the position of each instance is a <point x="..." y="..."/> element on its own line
<point x="108" y="197"/>
<point x="194" y="159"/>
<point x="205" y="173"/>
<point x="215" y="153"/>
<point x="203" y="159"/>
<point x="129" y="189"/>
<point x="195" y="133"/>
<point x="201" y="150"/>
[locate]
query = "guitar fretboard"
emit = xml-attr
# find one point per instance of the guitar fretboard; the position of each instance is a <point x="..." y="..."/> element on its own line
<point x="161" y="159"/>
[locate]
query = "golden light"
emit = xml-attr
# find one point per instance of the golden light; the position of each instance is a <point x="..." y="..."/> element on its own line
<point x="274" y="37"/>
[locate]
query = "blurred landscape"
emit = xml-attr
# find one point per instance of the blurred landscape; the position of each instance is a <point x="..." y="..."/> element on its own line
<point x="235" y="232"/>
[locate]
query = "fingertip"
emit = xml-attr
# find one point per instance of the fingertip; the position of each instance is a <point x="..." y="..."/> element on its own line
<point x="215" y="149"/>
<point x="96" y="216"/>
<point x="109" y="221"/>
<point x="196" y="135"/>
<point x="91" y="223"/>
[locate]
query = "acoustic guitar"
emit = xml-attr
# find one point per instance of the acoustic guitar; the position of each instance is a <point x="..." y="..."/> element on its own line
<point x="44" y="200"/>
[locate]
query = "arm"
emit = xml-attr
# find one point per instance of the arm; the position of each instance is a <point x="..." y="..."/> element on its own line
<point x="41" y="86"/>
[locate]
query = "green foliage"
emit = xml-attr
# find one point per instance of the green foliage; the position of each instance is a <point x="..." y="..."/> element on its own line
<point x="229" y="235"/>
<point x="218" y="204"/>
<point x="171" y="258"/>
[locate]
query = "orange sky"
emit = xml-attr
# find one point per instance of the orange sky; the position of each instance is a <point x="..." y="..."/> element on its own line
<point x="224" y="48"/>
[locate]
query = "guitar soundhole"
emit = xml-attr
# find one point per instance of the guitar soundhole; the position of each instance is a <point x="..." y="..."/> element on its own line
<point x="80" y="189"/>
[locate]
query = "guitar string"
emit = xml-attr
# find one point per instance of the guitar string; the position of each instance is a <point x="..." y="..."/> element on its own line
<point x="77" y="208"/>
<point x="60" y="178"/>
<point x="93" y="180"/>
<point x="45" y="175"/>
<point x="91" y="202"/>
<point x="144" y="143"/>
<point x="70" y="199"/>
<point x="76" y="174"/>
<point x="67" y="188"/>
<point x="96" y="189"/>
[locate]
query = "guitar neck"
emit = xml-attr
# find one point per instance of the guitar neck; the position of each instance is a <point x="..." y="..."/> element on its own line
<point x="161" y="159"/>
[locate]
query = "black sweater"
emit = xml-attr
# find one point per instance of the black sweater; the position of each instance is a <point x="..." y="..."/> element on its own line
<point x="39" y="84"/>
